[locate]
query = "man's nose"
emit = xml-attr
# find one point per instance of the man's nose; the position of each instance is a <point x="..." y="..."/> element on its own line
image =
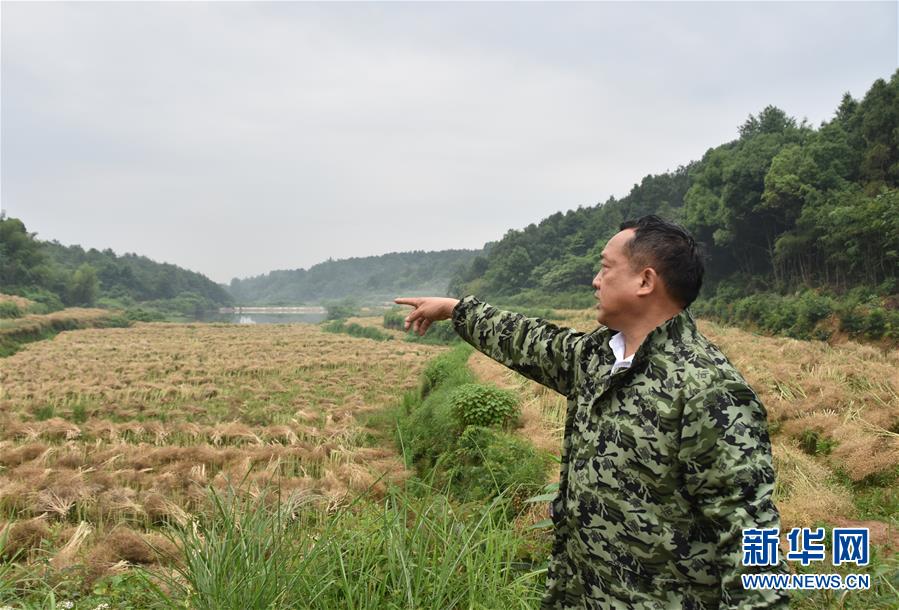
<point x="596" y="282"/>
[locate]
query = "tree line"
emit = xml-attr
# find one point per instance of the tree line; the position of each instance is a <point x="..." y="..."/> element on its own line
<point x="784" y="209"/>
<point x="369" y="279"/>
<point x="55" y="276"/>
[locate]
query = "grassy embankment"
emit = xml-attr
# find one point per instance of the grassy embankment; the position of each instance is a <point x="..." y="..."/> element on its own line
<point x="21" y="322"/>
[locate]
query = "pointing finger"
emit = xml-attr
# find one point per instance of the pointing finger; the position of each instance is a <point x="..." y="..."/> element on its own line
<point x="414" y="302"/>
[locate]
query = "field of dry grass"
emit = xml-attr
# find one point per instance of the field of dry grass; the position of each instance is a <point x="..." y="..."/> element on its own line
<point x="106" y="434"/>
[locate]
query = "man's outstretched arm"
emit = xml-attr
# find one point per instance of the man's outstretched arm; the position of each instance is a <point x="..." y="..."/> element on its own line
<point x="537" y="349"/>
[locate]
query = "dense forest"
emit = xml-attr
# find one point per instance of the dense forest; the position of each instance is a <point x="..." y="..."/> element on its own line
<point x="370" y="279"/>
<point x="800" y="226"/>
<point x="55" y="276"/>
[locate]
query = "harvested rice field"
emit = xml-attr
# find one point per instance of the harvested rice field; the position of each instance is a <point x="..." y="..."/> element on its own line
<point x="107" y="435"/>
<point x="111" y="437"/>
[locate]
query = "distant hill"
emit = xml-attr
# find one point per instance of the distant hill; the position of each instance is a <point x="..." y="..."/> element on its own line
<point x="366" y="280"/>
<point x="55" y="275"/>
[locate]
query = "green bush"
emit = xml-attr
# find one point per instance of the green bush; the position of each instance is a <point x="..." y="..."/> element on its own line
<point x="8" y="309"/>
<point x="488" y="463"/>
<point x="475" y="404"/>
<point x="425" y="424"/>
<point x="340" y="310"/>
<point x="45" y="301"/>
<point x="861" y="312"/>
<point x="440" y="333"/>
<point x="139" y="314"/>
<point x="875" y="323"/>
<point x="356" y="330"/>
<point x="814" y="307"/>
<point x="394" y="319"/>
<point x="473" y="462"/>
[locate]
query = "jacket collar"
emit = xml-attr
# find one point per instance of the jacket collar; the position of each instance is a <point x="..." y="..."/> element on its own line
<point x="661" y="339"/>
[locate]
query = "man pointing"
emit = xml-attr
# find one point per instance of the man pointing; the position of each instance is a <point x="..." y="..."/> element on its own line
<point x="666" y="456"/>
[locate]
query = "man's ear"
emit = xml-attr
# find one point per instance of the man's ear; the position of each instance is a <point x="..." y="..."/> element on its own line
<point x="648" y="281"/>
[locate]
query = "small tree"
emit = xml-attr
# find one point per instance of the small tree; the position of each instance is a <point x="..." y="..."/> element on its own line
<point x="341" y="310"/>
<point x="83" y="286"/>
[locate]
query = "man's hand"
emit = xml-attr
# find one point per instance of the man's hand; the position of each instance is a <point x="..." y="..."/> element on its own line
<point x="427" y="311"/>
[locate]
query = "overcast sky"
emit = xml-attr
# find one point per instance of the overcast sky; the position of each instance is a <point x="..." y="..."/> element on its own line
<point x="237" y="138"/>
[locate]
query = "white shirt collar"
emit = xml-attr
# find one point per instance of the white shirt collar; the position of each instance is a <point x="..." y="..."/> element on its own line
<point x="617" y="344"/>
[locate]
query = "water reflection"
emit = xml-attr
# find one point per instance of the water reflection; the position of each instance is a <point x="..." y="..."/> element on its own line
<point x="266" y="318"/>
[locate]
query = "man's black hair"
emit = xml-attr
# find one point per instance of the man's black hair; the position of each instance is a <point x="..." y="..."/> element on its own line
<point x="671" y="251"/>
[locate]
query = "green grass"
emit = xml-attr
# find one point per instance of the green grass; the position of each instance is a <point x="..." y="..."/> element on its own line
<point x="401" y="552"/>
<point x="355" y="330"/>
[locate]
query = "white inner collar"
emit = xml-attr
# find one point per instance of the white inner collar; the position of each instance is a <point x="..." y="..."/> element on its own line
<point x="617" y="344"/>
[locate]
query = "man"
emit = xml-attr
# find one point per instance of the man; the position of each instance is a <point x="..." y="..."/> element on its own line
<point x="666" y="456"/>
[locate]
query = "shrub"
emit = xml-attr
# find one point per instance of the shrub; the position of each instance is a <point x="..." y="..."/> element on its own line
<point x="138" y="314"/>
<point x="488" y="463"/>
<point x="8" y="309"/>
<point x="851" y="321"/>
<point x="356" y="330"/>
<point x="814" y="307"/>
<point x="426" y="425"/>
<point x="44" y="300"/>
<point x="875" y="323"/>
<point x="340" y="310"/>
<point x="394" y="319"/>
<point x="474" y="462"/>
<point x="474" y="404"/>
<point x="440" y="333"/>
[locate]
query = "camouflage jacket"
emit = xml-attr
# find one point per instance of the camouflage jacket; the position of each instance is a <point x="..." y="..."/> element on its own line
<point x="663" y="463"/>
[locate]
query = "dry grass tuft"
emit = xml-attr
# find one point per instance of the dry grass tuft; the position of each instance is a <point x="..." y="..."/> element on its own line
<point x="124" y="544"/>
<point x="19" y="455"/>
<point x="23" y="537"/>
<point x="65" y="556"/>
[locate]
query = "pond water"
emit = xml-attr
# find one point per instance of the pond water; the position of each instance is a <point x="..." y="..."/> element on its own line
<point x="266" y="318"/>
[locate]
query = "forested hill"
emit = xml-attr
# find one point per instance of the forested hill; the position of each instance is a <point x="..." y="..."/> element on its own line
<point x="800" y="225"/>
<point x="370" y="279"/>
<point x="57" y="275"/>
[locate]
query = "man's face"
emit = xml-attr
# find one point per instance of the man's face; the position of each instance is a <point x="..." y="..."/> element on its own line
<point x="617" y="283"/>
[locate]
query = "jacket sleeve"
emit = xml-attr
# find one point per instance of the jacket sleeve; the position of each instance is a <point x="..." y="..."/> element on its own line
<point x="726" y="454"/>
<point x="537" y="349"/>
